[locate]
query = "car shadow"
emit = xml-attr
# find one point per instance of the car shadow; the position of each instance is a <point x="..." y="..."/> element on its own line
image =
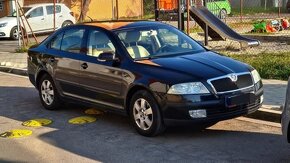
<point x="112" y="139"/>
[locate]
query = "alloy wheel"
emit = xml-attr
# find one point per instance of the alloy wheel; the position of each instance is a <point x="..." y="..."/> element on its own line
<point x="47" y="92"/>
<point x="143" y="114"/>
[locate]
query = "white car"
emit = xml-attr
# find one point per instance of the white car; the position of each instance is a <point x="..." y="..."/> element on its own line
<point x="285" y="121"/>
<point x="40" y="18"/>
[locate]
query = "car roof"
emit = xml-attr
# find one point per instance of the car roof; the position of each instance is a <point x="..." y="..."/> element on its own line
<point x="42" y="4"/>
<point x="123" y="24"/>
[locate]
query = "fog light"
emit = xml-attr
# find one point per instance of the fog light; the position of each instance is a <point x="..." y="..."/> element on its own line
<point x="261" y="99"/>
<point x="197" y="113"/>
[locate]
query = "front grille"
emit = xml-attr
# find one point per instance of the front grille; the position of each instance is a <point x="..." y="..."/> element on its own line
<point x="238" y="110"/>
<point x="226" y="84"/>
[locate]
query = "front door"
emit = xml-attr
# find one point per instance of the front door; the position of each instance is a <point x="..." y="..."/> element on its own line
<point x="100" y="81"/>
<point x="36" y="19"/>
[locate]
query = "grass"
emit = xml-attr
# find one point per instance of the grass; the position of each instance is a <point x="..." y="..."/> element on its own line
<point x="270" y="66"/>
<point x="255" y="10"/>
<point x="24" y="49"/>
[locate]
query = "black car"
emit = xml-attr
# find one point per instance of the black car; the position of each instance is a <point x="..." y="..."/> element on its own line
<point x="148" y="70"/>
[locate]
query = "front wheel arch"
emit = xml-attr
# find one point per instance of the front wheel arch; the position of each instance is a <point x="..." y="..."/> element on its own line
<point x="132" y="91"/>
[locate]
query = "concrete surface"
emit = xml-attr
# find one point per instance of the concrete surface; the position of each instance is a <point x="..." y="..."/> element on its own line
<point x="112" y="139"/>
<point x="7" y="45"/>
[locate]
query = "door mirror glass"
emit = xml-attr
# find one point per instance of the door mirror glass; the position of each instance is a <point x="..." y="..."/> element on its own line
<point x="106" y="57"/>
<point x="28" y="16"/>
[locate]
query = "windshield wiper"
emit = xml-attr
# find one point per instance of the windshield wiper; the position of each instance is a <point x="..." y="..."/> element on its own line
<point x="145" y="58"/>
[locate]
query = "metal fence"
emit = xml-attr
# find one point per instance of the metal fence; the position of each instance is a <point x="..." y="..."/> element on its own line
<point x="265" y="20"/>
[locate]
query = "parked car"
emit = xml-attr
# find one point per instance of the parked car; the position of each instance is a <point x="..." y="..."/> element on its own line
<point x="221" y="8"/>
<point x="39" y="17"/>
<point x="285" y="121"/>
<point x="150" y="71"/>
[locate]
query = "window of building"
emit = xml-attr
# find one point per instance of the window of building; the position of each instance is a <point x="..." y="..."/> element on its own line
<point x="1" y="5"/>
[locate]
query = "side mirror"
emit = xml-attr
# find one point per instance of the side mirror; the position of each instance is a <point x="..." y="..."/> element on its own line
<point x="28" y="16"/>
<point x="107" y="57"/>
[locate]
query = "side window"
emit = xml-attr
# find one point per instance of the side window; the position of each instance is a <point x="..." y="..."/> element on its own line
<point x="98" y="43"/>
<point x="56" y="42"/>
<point x="72" y="40"/>
<point x="49" y="9"/>
<point x="36" y="12"/>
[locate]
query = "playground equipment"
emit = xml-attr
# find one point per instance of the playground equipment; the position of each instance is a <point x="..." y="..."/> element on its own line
<point x="209" y="22"/>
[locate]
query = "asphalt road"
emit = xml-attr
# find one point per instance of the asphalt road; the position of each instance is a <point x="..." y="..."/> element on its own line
<point x="8" y="45"/>
<point x="112" y="139"/>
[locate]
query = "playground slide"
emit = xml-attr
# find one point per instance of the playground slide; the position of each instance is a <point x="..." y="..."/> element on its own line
<point x="217" y="29"/>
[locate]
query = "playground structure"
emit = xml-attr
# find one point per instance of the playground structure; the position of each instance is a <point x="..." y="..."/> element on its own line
<point x="211" y="24"/>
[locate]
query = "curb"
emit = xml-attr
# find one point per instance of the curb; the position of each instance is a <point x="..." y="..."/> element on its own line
<point x="267" y="113"/>
<point x="22" y="72"/>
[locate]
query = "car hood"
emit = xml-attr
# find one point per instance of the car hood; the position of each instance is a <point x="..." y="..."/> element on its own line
<point x="8" y="19"/>
<point x="205" y="65"/>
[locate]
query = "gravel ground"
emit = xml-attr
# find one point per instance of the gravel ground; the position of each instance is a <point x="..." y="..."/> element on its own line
<point x="233" y="47"/>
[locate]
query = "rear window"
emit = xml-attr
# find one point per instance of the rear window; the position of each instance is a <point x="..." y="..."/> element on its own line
<point x="72" y="40"/>
<point x="49" y="9"/>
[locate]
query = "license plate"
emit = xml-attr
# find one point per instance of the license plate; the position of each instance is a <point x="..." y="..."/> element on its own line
<point x="232" y="101"/>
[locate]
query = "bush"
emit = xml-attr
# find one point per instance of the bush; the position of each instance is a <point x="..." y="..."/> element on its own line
<point x="270" y="66"/>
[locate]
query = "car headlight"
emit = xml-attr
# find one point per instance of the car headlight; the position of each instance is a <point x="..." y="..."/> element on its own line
<point x="3" y="24"/>
<point x="256" y="76"/>
<point x="188" y="88"/>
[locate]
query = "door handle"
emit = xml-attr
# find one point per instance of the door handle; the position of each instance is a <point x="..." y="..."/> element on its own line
<point x="60" y="16"/>
<point x="42" y="19"/>
<point x="84" y="65"/>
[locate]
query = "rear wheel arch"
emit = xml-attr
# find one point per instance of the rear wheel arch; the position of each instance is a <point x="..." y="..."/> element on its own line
<point x="39" y="76"/>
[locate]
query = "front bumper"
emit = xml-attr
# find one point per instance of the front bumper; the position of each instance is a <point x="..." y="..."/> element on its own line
<point x="4" y="32"/>
<point x="177" y="107"/>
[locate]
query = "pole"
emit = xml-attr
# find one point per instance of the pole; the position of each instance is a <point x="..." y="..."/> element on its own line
<point x="54" y="18"/>
<point x="156" y="10"/>
<point x="241" y="10"/>
<point x="18" y="28"/>
<point x="187" y="7"/>
<point x="279" y="10"/>
<point x="205" y="30"/>
<point x="117" y="9"/>
<point x="179" y="15"/>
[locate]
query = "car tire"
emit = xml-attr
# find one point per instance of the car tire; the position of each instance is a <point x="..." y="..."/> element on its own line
<point x="14" y="33"/>
<point x="48" y="94"/>
<point x="145" y="114"/>
<point x="223" y="14"/>
<point x="66" y="23"/>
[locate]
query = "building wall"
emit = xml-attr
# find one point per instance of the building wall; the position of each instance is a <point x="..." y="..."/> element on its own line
<point x="130" y="8"/>
<point x="98" y="9"/>
<point x="5" y="8"/>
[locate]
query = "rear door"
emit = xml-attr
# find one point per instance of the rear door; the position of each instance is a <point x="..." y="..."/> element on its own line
<point x="100" y="81"/>
<point x="50" y="16"/>
<point x="65" y="51"/>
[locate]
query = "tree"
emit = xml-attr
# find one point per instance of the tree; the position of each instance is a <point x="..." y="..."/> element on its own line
<point x="84" y="9"/>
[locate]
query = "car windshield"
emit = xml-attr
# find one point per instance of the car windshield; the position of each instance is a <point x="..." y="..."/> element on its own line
<point x="157" y="41"/>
